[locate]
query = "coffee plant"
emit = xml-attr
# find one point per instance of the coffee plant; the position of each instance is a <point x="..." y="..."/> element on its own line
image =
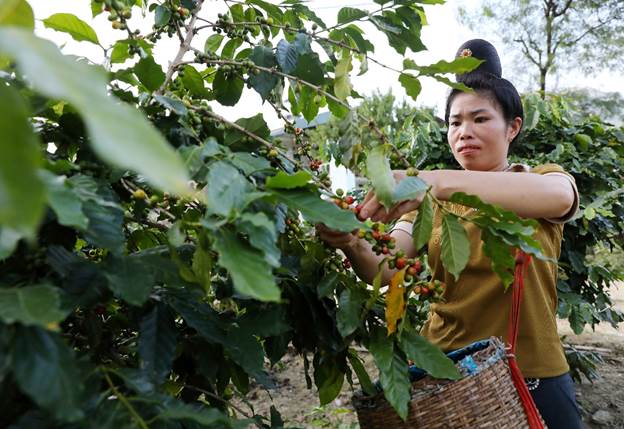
<point x="156" y="257"/>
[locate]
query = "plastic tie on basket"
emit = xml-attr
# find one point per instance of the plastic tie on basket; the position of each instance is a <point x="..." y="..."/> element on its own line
<point x="463" y="357"/>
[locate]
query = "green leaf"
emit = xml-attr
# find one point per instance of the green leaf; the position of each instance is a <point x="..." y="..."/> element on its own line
<point x="46" y="370"/>
<point x="249" y="163"/>
<point x="130" y="279"/>
<point x="263" y="82"/>
<point x="379" y="172"/>
<point x="289" y="181"/>
<point x="310" y="69"/>
<point x="206" y="417"/>
<point x="194" y="82"/>
<point x="287" y="54"/>
<point x="202" y="266"/>
<point x="213" y="43"/>
<point x="227" y="89"/>
<point x="119" y="134"/>
<point x="255" y="125"/>
<point x="17" y="13"/>
<point x="355" y="34"/>
<point x="262" y="235"/>
<point x="455" y="245"/>
<point x="31" y="305"/>
<point x="172" y="104"/>
<point x="328" y="377"/>
<point x="150" y="73"/>
<point x="342" y="84"/>
<point x="105" y="227"/>
<point x="66" y="204"/>
<point x="427" y="356"/>
<point x="157" y="342"/>
<point x="367" y="385"/>
<point x="503" y="261"/>
<point x="8" y="241"/>
<point x="309" y="106"/>
<point x="316" y="210"/>
<point x="120" y="52"/>
<point x="327" y="285"/>
<point x="265" y="320"/>
<point x="273" y="11"/>
<point x="423" y="224"/>
<point x="457" y="66"/>
<point x="230" y="48"/>
<point x="22" y="195"/>
<point x="162" y="15"/>
<point x="409" y="188"/>
<point x="74" y="26"/>
<point x="348" y="14"/>
<point x="411" y="84"/>
<point x="349" y="312"/>
<point x="226" y="189"/>
<point x="250" y="273"/>
<point x="393" y="371"/>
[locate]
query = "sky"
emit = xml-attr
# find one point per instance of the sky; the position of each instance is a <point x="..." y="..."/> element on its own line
<point x="442" y="36"/>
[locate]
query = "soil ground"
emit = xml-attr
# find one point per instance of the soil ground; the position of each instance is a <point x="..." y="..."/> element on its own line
<point x="601" y="402"/>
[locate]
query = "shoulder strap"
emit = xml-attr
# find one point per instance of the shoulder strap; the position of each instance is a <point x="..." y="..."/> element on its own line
<point x="533" y="416"/>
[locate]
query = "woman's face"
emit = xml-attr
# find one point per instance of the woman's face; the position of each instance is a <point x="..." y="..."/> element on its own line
<point x="478" y="133"/>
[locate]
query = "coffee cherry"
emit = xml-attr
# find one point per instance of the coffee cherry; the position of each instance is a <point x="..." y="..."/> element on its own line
<point x="346" y="263"/>
<point x="400" y="263"/>
<point x="139" y="194"/>
<point x="339" y="192"/>
<point x="349" y="199"/>
<point x="412" y="171"/>
<point x="273" y="153"/>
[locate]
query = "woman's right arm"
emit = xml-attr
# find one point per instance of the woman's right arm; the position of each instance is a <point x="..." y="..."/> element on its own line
<point x="359" y="251"/>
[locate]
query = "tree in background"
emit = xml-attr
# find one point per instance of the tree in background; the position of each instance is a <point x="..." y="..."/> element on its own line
<point x="609" y="106"/>
<point x="555" y="34"/>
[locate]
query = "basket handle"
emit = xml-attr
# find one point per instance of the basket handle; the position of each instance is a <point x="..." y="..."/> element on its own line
<point x="533" y="416"/>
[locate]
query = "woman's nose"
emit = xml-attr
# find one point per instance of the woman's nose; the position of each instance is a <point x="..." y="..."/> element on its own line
<point x="465" y="131"/>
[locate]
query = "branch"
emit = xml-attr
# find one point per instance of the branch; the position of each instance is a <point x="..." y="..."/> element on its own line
<point x="184" y="48"/>
<point x="525" y="49"/>
<point x="562" y="11"/>
<point x="133" y="413"/>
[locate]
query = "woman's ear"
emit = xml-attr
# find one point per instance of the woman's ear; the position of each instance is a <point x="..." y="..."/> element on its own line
<point x="514" y="128"/>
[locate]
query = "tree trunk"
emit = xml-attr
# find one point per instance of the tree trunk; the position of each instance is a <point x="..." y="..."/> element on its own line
<point x="543" y="72"/>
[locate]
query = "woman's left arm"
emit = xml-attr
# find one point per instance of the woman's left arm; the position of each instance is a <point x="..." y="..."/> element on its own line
<point x="529" y="195"/>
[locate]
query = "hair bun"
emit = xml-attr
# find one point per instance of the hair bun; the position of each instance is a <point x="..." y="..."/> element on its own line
<point x="483" y="50"/>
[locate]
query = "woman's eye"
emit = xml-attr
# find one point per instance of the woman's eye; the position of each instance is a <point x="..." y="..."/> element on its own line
<point x="455" y="123"/>
<point x="481" y="119"/>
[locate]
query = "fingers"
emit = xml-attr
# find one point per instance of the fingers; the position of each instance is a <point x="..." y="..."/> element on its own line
<point x="335" y="238"/>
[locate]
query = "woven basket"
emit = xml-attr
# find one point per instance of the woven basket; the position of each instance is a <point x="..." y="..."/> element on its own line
<point x="487" y="399"/>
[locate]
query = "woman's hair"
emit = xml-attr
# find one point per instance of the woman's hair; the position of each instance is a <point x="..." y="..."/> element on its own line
<point x="486" y="80"/>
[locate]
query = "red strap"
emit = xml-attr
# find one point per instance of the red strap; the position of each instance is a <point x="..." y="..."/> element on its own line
<point x="533" y="417"/>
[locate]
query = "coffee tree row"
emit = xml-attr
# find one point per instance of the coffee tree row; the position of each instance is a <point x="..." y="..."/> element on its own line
<point x="156" y="256"/>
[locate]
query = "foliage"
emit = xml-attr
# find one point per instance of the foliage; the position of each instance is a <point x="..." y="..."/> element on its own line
<point x="155" y="256"/>
<point x="555" y="35"/>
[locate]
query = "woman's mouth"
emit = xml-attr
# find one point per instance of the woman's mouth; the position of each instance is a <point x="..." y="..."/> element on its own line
<point x="468" y="149"/>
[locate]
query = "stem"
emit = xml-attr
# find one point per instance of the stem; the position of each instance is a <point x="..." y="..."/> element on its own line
<point x="218" y="398"/>
<point x="136" y="417"/>
<point x="184" y="48"/>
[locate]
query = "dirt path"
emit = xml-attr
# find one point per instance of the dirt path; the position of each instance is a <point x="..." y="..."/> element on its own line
<point x="602" y="402"/>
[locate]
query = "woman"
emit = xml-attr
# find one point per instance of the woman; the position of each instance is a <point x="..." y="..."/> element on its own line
<point x="481" y="127"/>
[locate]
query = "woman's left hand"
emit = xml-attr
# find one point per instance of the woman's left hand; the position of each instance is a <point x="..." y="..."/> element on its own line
<point x="373" y="209"/>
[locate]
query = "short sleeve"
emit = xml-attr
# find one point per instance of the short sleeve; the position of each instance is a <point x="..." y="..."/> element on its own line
<point x="554" y="169"/>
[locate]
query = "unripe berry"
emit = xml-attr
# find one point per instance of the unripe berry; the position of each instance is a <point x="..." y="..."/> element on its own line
<point x="139" y="194"/>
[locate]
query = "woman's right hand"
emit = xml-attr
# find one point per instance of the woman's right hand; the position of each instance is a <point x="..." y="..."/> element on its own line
<point x="338" y="239"/>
